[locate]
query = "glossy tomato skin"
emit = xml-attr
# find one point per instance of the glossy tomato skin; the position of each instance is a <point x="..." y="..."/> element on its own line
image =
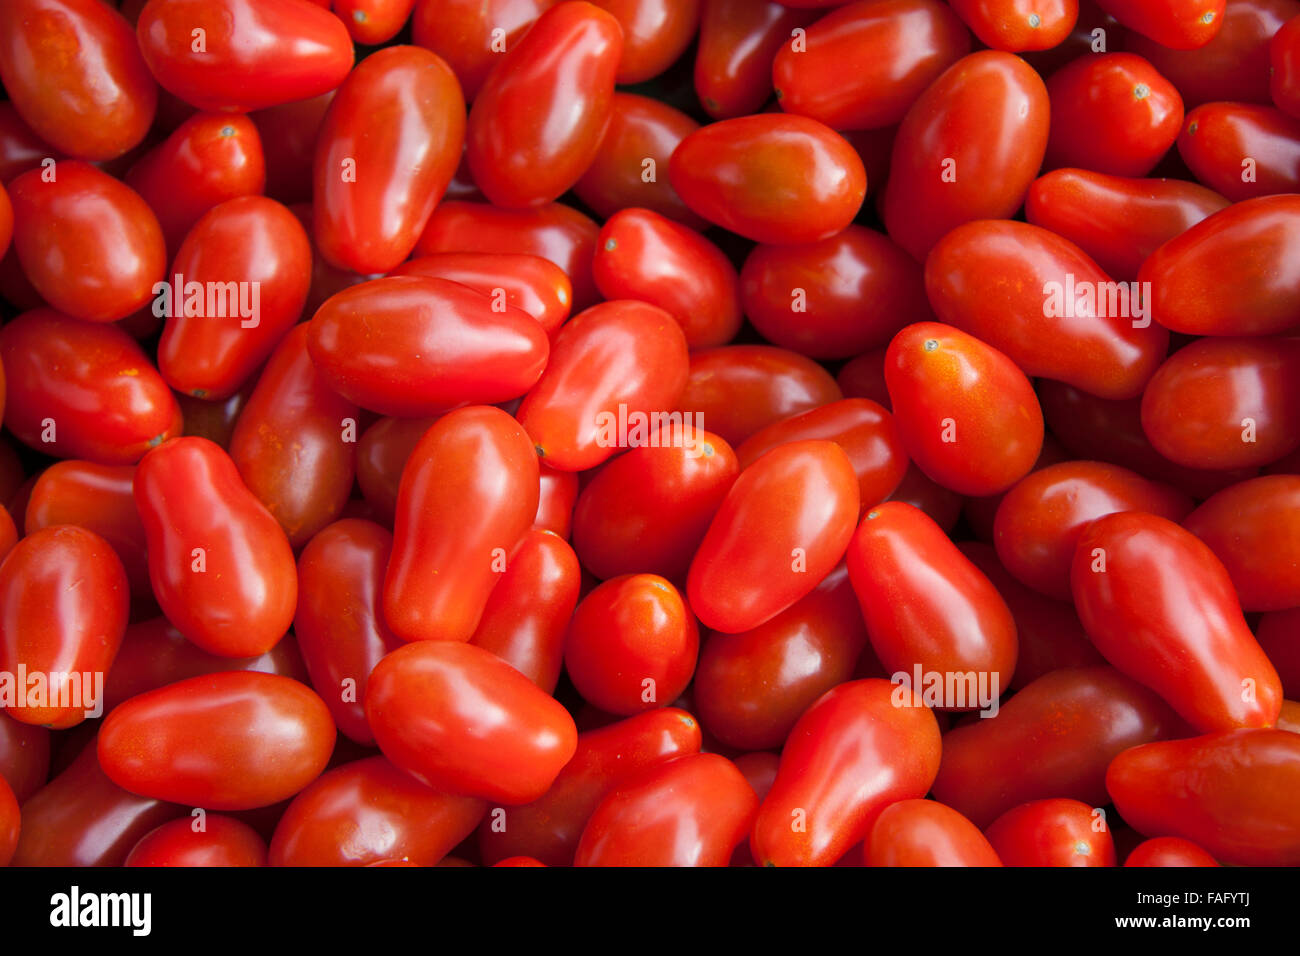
<point x="1181" y="634"/>
<point x="804" y="497"/>
<point x="692" y="810"/>
<point x="255" y="53"/>
<point x="1252" y="528"/>
<point x="24" y="756"/>
<point x="224" y="572"/>
<point x="1169" y="851"/>
<point x="65" y="601"/>
<point x="373" y="21"/>
<point x="1242" y="150"/>
<point x="1040" y="520"/>
<point x="1018" y="25"/>
<point x="1250" y="246"/>
<point x="1177" y="24"/>
<point x="555" y="503"/>
<point x="1226" y="403"/>
<point x="1231" y="793"/>
<point x="387" y="148"/>
<point x="988" y="113"/>
<point x="926" y="833"/>
<point x="1118" y="221"/>
<point x="1009" y="284"/>
<point x="527" y="615"/>
<point x="737" y="42"/>
<point x="83" y="390"/>
<point x="538" y="121"/>
<point x="925" y="604"/>
<point x="751" y="688"/>
<point x="723" y="172"/>
<point x="643" y="255"/>
<point x="1052" y="832"/>
<point x="655" y="34"/>
<point x="1284" y="73"/>
<point x="366" y="811"/>
<point x="259" y="244"/>
<point x="461" y="32"/>
<point x="620" y="359"/>
<point x="851" y="754"/>
<point x="834" y="298"/>
<point x="549" y="828"/>
<point x="468" y="494"/>
<point x="227" y="741"/>
<point x="968" y="416"/>
<point x="862" y="66"/>
<point x="339" y="622"/>
<point x="223" y="841"/>
<point x="426" y="704"/>
<point x="89" y="244"/>
<point x="74" y="72"/>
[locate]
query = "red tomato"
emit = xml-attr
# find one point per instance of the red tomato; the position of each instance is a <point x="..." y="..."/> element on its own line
<point x="864" y="377"/>
<point x="968" y="149"/>
<point x="851" y="755"/>
<point x="1053" y="832"/>
<point x="223" y="572"/>
<point x="10" y="822"/>
<point x="1160" y="607"/>
<point x="387" y="148"/>
<point x="1231" y="793"/>
<point x="24" y="756"/>
<point x="655" y="34"/>
<point x="926" y="833"/>
<point x="1284" y="71"/>
<point x="1016" y="25"/>
<point x="942" y="506"/>
<point x="1169" y="851"/>
<point x="20" y="148"/>
<point x="216" y="841"/>
<point x="1242" y="150"/>
<point x="288" y="134"/>
<point x="1276" y="634"/>
<point x="373" y="21"/>
<point x="465" y="33"/>
<point x="460" y="719"/>
<point x="6" y="221"/>
<point x="475" y="463"/>
<point x="382" y="454"/>
<point x="724" y="172"/>
<point x="737" y="42"/>
<point x="1177" y="24"/>
<point x="247" y="55"/>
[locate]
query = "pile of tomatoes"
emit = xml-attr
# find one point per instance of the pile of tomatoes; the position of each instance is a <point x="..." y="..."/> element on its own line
<point x="650" y="432"/>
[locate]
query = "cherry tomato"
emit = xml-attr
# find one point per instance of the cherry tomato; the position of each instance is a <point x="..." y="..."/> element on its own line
<point x="464" y="33"/>
<point x="1169" y="851"/>
<point x="1242" y="150"/>
<point x="288" y="134"/>
<point x="24" y="756"/>
<point x="1055" y="832"/>
<point x="20" y="148"/>
<point x="1177" y="24"/>
<point x="1276" y="634"/>
<point x="373" y="21"/>
<point x="737" y="42"/>
<point x="1284" y="63"/>
<point x="382" y="454"/>
<point x="221" y="841"/>
<point x="926" y="833"/>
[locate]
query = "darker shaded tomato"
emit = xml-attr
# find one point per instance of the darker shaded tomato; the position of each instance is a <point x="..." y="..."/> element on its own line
<point x="458" y="718"/>
<point x="833" y="298"/>
<point x="474" y="463"/>
<point x="632" y="645"/>
<point x="74" y="72"/>
<point x="1169" y="851"/>
<point x="1278" y="634"/>
<point x="1242" y="150"/>
<point x="750" y="688"/>
<point x="648" y="509"/>
<point x="339" y="623"/>
<point x="770" y="177"/>
<point x="1231" y="274"/>
<point x="736" y="390"/>
<point x="939" y="504"/>
<point x="1060" y="733"/>
<point x="20" y="148"/>
<point x="968" y="416"/>
<point x="1254" y="529"/>
<point x="213" y="420"/>
<point x="863" y="65"/>
<point x="851" y="754"/>
<point x="1040" y="300"/>
<point x="224" y="572"/>
<point x="1284" y="63"/>
<point x="655" y="34"/>
<point x="557" y="496"/>
<point x="643" y="255"/>
<point x="64" y="601"/>
<point x="6" y="221"/>
<point x="1226" y="403"/>
<point x="1160" y="607"/>
<point x="387" y="148"/>
<point x="90" y="245"/>
<point x="738" y="40"/>
<point x="1040" y="520"/>
<point x="614" y="365"/>
<point x="444" y="345"/>
<point x="366" y="811"/>
<point x="692" y="810"/>
<point x="1111" y="113"/>
<point x="24" y="756"/>
<point x="462" y="32"/>
<point x="781" y="529"/>
<point x="968" y="149"/>
<point x="210" y="158"/>
<point x="1054" y="832"/>
<point x="864" y="377"/>
<point x="527" y="613"/>
<point x="83" y="390"/>
<point x="373" y="21"/>
<point x="1119" y="222"/>
<point x="227" y="741"/>
<point x="220" y="841"/>
<point x="10" y="821"/>
<point x="1018" y="25"/>
<point x="288" y="134"/>
<point x="254" y="54"/>
<point x="1177" y="24"/>
<point x="519" y="861"/>
<point x="549" y="828"/>
<point x="82" y="818"/>
<point x="382" y="453"/>
<point x="926" y="833"/>
<point x="537" y="123"/>
<point x="527" y="282"/>
<point x="1231" y="793"/>
<point x="926" y="606"/>
<point x="641" y="136"/>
